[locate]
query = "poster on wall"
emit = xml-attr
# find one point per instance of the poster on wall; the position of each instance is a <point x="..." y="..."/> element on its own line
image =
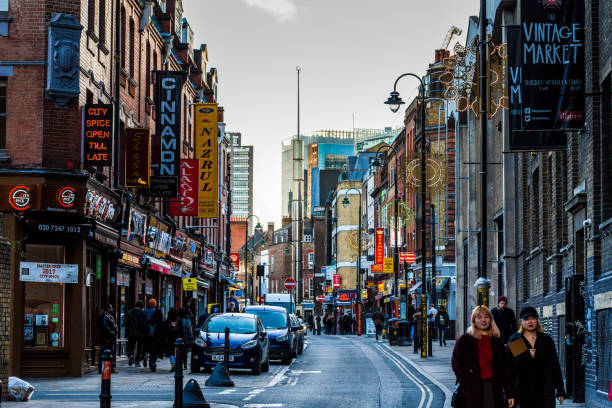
<point x="546" y="74"/>
<point x="48" y="272"/>
<point x="207" y="152"/>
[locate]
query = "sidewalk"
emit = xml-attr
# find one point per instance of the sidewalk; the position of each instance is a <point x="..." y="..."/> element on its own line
<point x="439" y="370"/>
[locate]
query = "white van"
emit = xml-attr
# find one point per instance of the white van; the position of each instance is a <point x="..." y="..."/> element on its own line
<point x="280" y="299"/>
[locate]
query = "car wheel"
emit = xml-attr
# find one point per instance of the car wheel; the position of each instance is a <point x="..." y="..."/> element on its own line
<point x="257" y="369"/>
<point x="286" y="360"/>
<point x="266" y="367"/>
<point x="207" y="369"/>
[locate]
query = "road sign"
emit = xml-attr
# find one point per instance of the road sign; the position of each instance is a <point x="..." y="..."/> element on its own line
<point x="407" y="257"/>
<point x="320" y="298"/>
<point x="289" y="283"/>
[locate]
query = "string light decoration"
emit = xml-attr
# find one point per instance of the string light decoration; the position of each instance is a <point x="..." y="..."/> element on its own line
<point x="436" y="174"/>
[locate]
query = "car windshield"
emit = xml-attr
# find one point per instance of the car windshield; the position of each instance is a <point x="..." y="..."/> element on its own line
<point x="271" y="319"/>
<point x="239" y="325"/>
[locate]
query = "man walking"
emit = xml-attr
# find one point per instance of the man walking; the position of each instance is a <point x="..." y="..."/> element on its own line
<point x="134" y="333"/>
<point x="108" y="335"/>
<point x="410" y="317"/>
<point x="431" y="320"/>
<point x="442" y="319"/>
<point x="504" y="318"/>
<point x="379" y="323"/>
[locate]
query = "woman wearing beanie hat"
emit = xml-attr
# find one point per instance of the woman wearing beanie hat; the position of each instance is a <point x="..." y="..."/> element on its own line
<point x="535" y="364"/>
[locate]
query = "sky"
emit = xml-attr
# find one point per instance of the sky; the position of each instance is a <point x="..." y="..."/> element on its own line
<point x="350" y="52"/>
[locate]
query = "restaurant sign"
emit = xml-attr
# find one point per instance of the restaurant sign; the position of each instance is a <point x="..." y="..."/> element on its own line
<point x="48" y="272"/>
<point x="137" y="158"/>
<point x="97" y="135"/>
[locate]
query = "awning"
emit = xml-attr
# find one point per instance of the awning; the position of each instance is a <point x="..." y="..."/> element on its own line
<point x="441" y="283"/>
<point x="415" y="287"/>
<point x="159" y="265"/>
<point x="230" y="282"/>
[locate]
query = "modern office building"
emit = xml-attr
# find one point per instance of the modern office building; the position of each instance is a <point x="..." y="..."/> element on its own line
<point x="241" y="177"/>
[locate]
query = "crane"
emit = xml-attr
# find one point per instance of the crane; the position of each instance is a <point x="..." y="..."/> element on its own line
<point x="453" y="31"/>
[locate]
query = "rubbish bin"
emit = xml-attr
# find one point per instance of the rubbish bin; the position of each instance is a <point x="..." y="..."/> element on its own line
<point x="403" y="332"/>
<point x="393" y="332"/>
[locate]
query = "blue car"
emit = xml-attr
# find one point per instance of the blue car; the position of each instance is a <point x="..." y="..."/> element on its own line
<point x="248" y="341"/>
<point x="281" y="333"/>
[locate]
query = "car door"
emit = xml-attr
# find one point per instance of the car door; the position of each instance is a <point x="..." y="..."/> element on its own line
<point x="265" y="342"/>
<point x="296" y="334"/>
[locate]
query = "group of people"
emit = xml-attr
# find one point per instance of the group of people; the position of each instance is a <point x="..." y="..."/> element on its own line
<point x="497" y="366"/>
<point x="334" y="323"/>
<point x="149" y="336"/>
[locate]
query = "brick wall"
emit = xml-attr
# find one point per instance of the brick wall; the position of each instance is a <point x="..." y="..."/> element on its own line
<point x="5" y="308"/>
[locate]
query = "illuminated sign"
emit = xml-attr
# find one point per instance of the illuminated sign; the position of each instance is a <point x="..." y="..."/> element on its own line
<point x="380" y="245"/>
<point x="388" y="265"/>
<point x="97" y="135"/>
<point x="20" y="198"/>
<point x="137" y="157"/>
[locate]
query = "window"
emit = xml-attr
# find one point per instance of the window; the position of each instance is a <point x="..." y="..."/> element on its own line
<point x="102" y="21"/>
<point x="132" y="49"/>
<point x="311" y="260"/>
<point x="3" y="6"/>
<point x="91" y="15"/>
<point x="148" y="70"/>
<point x="3" y="98"/>
<point x="606" y="150"/>
<point x="123" y="50"/>
<point x="604" y="344"/>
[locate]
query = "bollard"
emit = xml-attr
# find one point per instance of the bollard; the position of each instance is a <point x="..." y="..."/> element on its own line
<point x="429" y="339"/>
<point x="105" y="387"/>
<point x="226" y="348"/>
<point x="178" y="373"/>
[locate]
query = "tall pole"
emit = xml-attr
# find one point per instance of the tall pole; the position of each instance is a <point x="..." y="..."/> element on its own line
<point x="483" y="284"/>
<point x="246" y="270"/>
<point x="433" y="255"/>
<point x="359" y="272"/>
<point x="300" y="226"/>
<point x="396" y="213"/>
<point x="423" y="232"/>
<point x="117" y="123"/>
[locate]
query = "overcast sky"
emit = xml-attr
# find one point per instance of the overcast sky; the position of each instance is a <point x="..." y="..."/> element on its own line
<point x="350" y="52"/>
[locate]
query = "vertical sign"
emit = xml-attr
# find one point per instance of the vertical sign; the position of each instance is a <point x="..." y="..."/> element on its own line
<point x="336" y="281"/>
<point x="380" y="245"/>
<point x="137" y="158"/>
<point x="97" y="131"/>
<point x="188" y="198"/>
<point x="169" y="85"/>
<point x="235" y="258"/>
<point x="546" y="74"/>
<point x="207" y="152"/>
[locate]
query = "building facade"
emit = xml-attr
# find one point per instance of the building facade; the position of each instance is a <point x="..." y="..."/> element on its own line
<point x="241" y="162"/>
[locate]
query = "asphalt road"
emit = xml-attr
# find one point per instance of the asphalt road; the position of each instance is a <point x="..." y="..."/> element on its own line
<point x="333" y="371"/>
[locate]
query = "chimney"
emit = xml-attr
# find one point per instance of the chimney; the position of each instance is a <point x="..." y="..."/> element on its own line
<point x="286" y="221"/>
<point x="270" y="227"/>
<point x="441" y="54"/>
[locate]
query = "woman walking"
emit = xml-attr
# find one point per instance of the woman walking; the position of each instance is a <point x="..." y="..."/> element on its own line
<point x="174" y="330"/>
<point x="535" y="364"/>
<point x="482" y="366"/>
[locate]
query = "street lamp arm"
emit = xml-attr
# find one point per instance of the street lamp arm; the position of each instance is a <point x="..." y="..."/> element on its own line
<point x="408" y="74"/>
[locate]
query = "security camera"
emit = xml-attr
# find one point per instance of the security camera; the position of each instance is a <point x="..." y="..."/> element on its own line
<point x="586" y="223"/>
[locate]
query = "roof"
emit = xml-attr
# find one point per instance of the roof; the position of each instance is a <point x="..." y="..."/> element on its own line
<point x="265" y="307"/>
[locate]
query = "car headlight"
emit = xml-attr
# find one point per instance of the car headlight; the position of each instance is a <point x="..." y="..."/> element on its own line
<point x="282" y="338"/>
<point x="249" y="344"/>
<point x="199" y="342"/>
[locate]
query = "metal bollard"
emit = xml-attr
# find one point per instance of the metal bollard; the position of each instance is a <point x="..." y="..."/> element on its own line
<point x="105" y="387"/>
<point x="178" y="373"/>
<point x="429" y="339"/>
<point x="226" y="348"/>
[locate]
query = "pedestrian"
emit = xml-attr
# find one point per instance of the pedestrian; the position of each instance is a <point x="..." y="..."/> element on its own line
<point x="442" y="320"/>
<point x="346" y="321"/>
<point x="318" y="320"/>
<point x="108" y="335"/>
<point x="231" y="308"/>
<point x="379" y="323"/>
<point x="202" y="320"/>
<point x="410" y="317"/>
<point x="134" y="334"/>
<point x="505" y="318"/>
<point x="431" y="320"/>
<point x="481" y="365"/>
<point x="151" y="322"/>
<point x="311" y="324"/>
<point x="417" y="329"/>
<point x="173" y="329"/>
<point x="187" y="333"/>
<point x="535" y="364"/>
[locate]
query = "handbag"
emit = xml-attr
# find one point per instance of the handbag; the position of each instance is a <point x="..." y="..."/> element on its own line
<point x="457" y="396"/>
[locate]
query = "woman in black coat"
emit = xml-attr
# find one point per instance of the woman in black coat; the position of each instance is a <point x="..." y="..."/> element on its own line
<point x="173" y="330"/>
<point x="482" y="366"/>
<point x="535" y="364"/>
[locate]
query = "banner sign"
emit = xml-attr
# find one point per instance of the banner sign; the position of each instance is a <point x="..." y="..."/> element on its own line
<point x="407" y="257"/>
<point x="336" y="281"/>
<point x="388" y="265"/>
<point x="169" y="85"/>
<point x="48" y="272"/>
<point x="235" y="258"/>
<point x="187" y="204"/>
<point x="97" y="132"/>
<point x="137" y="157"/>
<point x="380" y="245"/>
<point x="377" y="268"/>
<point x="546" y="74"/>
<point x="207" y="152"/>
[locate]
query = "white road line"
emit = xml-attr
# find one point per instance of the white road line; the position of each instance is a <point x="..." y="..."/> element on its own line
<point x="262" y="405"/>
<point x="425" y="390"/>
<point x="227" y="392"/>
<point x="278" y="377"/>
<point x="293" y="382"/>
<point x="253" y="394"/>
<point x="298" y="372"/>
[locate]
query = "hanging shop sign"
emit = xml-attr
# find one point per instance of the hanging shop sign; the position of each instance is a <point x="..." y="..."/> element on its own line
<point x="159" y="240"/>
<point x="329" y="272"/>
<point x="100" y="207"/>
<point x="381" y="287"/>
<point x="388" y="265"/>
<point x="377" y="268"/>
<point x="97" y="135"/>
<point x="137" y="227"/>
<point x="380" y="245"/>
<point x="207" y="152"/>
<point x="546" y="74"/>
<point x="168" y="127"/>
<point x="48" y="272"/>
<point x="190" y="284"/>
<point x="235" y="258"/>
<point x="187" y="203"/>
<point x="178" y="244"/>
<point x="137" y="157"/>
<point x="336" y="281"/>
<point x="407" y="257"/>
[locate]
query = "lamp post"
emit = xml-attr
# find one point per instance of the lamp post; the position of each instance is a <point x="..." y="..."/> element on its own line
<point x="345" y="202"/>
<point x="249" y="288"/>
<point x="394" y="103"/>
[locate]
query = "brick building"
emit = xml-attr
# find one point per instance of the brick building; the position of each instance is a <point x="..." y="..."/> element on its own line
<point x="112" y="244"/>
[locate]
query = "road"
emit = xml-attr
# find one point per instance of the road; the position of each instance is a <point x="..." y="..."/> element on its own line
<point x="333" y="371"/>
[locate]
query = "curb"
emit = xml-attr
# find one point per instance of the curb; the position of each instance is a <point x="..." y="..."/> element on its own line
<point x="448" y="394"/>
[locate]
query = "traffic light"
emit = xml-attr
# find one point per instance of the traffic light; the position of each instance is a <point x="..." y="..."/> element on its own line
<point x="260" y="270"/>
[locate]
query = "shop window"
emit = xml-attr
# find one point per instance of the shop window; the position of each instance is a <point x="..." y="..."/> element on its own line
<point x="604" y="345"/>
<point x="43" y="321"/>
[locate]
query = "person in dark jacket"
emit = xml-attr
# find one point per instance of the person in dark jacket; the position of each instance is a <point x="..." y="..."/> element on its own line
<point x="535" y="364"/>
<point x="442" y="320"/>
<point x="108" y="334"/>
<point x="187" y="333"/>
<point x="482" y="366"/>
<point x="504" y="318"/>
<point x="311" y="324"/>
<point x="318" y="320"/>
<point x="151" y="321"/>
<point x="410" y="317"/>
<point x="379" y="323"/>
<point x="173" y="329"/>
<point x="133" y="331"/>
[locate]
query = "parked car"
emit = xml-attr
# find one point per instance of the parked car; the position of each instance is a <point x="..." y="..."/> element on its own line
<point x="304" y="325"/>
<point x="248" y="341"/>
<point x="280" y="331"/>
<point x="299" y="334"/>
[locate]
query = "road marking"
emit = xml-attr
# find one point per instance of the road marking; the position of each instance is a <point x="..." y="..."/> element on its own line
<point x="426" y="393"/>
<point x="253" y="394"/>
<point x="298" y="372"/>
<point x="278" y="377"/>
<point x="262" y="405"/>
<point x="292" y="382"/>
<point x="227" y="392"/>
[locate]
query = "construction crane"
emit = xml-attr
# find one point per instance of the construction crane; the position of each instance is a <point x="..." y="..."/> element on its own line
<point x="453" y="31"/>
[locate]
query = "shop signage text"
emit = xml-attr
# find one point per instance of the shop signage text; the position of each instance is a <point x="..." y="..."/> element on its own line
<point x="58" y="228"/>
<point x="380" y="245"/>
<point x="48" y="272"/>
<point x="336" y="281"/>
<point x="388" y="265"/>
<point x="97" y="132"/>
<point x="99" y="207"/>
<point x="407" y="257"/>
<point x="137" y="157"/>
<point x="207" y="152"/>
<point x="377" y="268"/>
<point x="235" y="258"/>
<point x="187" y="204"/>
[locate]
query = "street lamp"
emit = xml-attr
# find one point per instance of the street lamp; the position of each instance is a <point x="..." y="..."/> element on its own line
<point x="377" y="162"/>
<point x="346" y="202"/>
<point x="394" y="102"/>
<point x="246" y="272"/>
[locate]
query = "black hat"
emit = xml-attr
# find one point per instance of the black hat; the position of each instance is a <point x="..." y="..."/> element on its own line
<point x="528" y="311"/>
